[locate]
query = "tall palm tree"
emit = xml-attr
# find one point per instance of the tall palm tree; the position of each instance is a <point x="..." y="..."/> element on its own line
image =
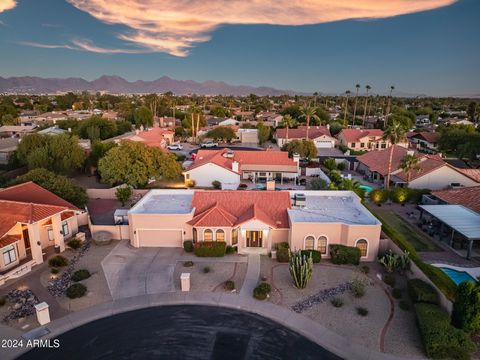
<point x="288" y="122"/>
<point x="389" y="103"/>
<point x="308" y="112"/>
<point x="395" y="133"/>
<point x="408" y="164"/>
<point x="346" y="108"/>
<point x="357" y="87"/>
<point x="367" y="87"/>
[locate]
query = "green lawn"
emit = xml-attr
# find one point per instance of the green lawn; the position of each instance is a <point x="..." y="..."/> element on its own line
<point x="404" y="230"/>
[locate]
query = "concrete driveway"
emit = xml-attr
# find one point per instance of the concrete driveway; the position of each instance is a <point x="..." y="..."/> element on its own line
<point x="132" y="272"/>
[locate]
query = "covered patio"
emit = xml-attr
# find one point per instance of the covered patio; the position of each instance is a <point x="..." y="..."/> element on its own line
<point x="454" y="224"/>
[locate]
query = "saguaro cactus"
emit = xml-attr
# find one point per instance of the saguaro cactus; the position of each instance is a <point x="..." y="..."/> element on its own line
<point x="301" y="267"/>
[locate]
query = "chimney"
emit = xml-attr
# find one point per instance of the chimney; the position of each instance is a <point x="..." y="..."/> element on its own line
<point x="271" y="185"/>
<point x="296" y="158"/>
<point x="137" y="131"/>
<point x="69" y="130"/>
<point x="328" y="126"/>
<point x="235" y="166"/>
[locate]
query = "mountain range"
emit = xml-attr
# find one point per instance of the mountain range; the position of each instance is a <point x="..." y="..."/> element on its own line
<point x="118" y="85"/>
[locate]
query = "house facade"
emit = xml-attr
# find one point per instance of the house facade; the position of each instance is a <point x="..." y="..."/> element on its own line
<point x="32" y="220"/>
<point x="230" y="167"/>
<point x="154" y="137"/>
<point x="320" y="135"/>
<point x="255" y="220"/>
<point x="364" y="139"/>
<point x="425" y="141"/>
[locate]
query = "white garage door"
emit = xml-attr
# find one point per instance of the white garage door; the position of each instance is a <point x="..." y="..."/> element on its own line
<point x="159" y="238"/>
<point x="324" y="144"/>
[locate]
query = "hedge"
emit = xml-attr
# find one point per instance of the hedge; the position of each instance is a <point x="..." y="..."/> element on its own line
<point x="283" y="255"/>
<point x="341" y="254"/>
<point x="420" y="291"/>
<point x="440" y="339"/>
<point x="76" y="290"/>
<point x="316" y="255"/>
<point x="80" y="275"/>
<point x="188" y="246"/>
<point x="210" y="248"/>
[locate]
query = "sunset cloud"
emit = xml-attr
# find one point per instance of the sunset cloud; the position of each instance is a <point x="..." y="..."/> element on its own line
<point x="175" y="26"/>
<point x="7" y="5"/>
<point x="84" y="45"/>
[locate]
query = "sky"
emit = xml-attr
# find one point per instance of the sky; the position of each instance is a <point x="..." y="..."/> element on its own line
<point x="419" y="46"/>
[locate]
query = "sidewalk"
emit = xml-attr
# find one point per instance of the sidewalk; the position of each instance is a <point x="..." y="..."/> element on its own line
<point x="252" y="276"/>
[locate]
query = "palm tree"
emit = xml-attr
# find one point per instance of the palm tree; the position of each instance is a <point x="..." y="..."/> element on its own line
<point x="357" y="87"/>
<point x="288" y="122"/>
<point x="346" y="108"/>
<point x="408" y="164"/>
<point x="389" y="103"/>
<point x="309" y="112"/>
<point x="395" y="133"/>
<point x="353" y="185"/>
<point x="368" y="87"/>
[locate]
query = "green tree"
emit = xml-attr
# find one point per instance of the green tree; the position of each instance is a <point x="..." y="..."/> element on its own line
<point x="395" y="133"/>
<point x="357" y="87"/>
<point x="466" y="308"/>
<point x="97" y="128"/>
<point x="57" y="184"/>
<point x="225" y="133"/>
<point x="143" y="117"/>
<point x="264" y="132"/>
<point x="134" y="164"/>
<point x="352" y="185"/>
<point x="367" y="88"/>
<point x="123" y="194"/>
<point x="408" y="164"/>
<point x="60" y="154"/>
<point x="317" y="184"/>
<point x="219" y="111"/>
<point x="99" y="149"/>
<point x="304" y="148"/>
<point x="472" y="110"/>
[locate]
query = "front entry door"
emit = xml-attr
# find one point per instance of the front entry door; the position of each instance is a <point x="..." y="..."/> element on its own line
<point x="254" y="238"/>
<point x="26" y="238"/>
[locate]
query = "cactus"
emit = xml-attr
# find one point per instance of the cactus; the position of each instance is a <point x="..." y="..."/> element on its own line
<point x="301" y="267"/>
<point x="389" y="261"/>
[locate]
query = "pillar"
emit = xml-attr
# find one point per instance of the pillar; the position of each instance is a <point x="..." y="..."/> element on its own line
<point x="35" y="244"/>
<point x="43" y="314"/>
<point x="185" y="281"/>
<point x="57" y="232"/>
<point x="469" y="251"/>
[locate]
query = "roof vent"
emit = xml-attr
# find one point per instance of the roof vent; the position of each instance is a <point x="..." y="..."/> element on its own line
<point x="300" y="200"/>
<point x="229" y="154"/>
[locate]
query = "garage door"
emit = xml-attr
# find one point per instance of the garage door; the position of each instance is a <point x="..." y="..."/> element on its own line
<point x="324" y="144"/>
<point x="159" y="238"/>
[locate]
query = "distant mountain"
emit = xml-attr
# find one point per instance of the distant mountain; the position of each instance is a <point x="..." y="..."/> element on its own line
<point x="118" y="85"/>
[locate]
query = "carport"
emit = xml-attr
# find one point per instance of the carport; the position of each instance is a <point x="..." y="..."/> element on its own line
<point x="455" y="219"/>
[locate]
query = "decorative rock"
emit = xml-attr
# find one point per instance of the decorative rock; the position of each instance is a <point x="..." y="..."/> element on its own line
<point x="23" y="301"/>
<point x="320" y="297"/>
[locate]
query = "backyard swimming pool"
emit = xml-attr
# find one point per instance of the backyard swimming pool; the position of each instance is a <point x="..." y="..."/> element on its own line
<point x="457" y="276"/>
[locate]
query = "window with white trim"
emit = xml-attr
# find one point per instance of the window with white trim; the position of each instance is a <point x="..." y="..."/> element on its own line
<point x="220" y="235"/>
<point x="309" y="243"/>
<point x="50" y="234"/>
<point x="208" y="235"/>
<point x="65" y="229"/>
<point x="362" y="244"/>
<point x="322" y="244"/>
<point x="9" y="254"/>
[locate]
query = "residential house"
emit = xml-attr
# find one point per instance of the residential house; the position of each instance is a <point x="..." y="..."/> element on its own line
<point x="255" y="221"/>
<point x="110" y="115"/>
<point x="468" y="197"/>
<point x="230" y="167"/>
<point x="248" y="136"/>
<point x="53" y="130"/>
<point x="364" y="139"/>
<point x="433" y="172"/>
<point x="425" y="141"/>
<point x="33" y="220"/>
<point x="320" y="135"/>
<point x="154" y="137"/>
<point x="269" y="118"/>
<point x="167" y="122"/>
<point x="422" y="120"/>
<point x="15" y="130"/>
<point x="8" y="146"/>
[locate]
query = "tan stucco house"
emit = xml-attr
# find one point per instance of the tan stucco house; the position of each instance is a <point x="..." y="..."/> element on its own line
<point x="320" y="135"/>
<point x="255" y="220"/>
<point x="364" y="139"/>
<point x="32" y="219"/>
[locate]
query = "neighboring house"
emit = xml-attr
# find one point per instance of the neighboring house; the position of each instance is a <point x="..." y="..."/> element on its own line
<point x="468" y="197"/>
<point x="425" y="141"/>
<point x="52" y="116"/>
<point x="320" y="135"/>
<point x="422" y="120"/>
<point x="270" y="118"/>
<point x="228" y="122"/>
<point x="155" y="137"/>
<point x="230" y="167"/>
<point x="364" y="139"/>
<point x="53" y="130"/>
<point x="33" y="219"/>
<point x="248" y="136"/>
<point x="255" y="221"/>
<point x="167" y="122"/>
<point x="433" y="173"/>
<point x="8" y="146"/>
<point x="15" y="130"/>
<point x="110" y="115"/>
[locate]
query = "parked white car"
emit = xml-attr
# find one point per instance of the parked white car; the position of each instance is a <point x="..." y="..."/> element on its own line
<point x="175" y="147"/>
<point x="208" y="144"/>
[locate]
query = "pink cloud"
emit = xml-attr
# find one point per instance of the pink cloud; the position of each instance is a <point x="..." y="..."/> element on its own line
<point x="7" y="5"/>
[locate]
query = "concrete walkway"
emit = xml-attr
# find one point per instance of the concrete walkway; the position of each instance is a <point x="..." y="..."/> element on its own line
<point x="252" y="275"/>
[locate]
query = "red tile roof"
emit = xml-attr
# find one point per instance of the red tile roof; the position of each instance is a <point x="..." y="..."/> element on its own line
<point x="301" y="132"/>
<point x="153" y="137"/>
<point x="9" y="239"/>
<point x="473" y="174"/>
<point x="354" y="135"/>
<point x="232" y="208"/>
<point x="262" y="157"/>
<point x="427" y="164"/>
<point x="430" y="137"/>
<point x="468" y="197"/>
<point x="377" y="160"/>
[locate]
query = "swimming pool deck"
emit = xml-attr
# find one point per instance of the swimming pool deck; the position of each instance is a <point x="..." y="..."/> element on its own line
<point x="474" y="272"/>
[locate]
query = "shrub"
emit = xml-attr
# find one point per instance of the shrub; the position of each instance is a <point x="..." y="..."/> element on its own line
<point x="389" y="261"/>
<point x="210" y="248"/>
<point x="74" y="244"/>
<point x="341" y="254"/>
<point x="440" y="339"/>
<point x="282" y="245"/>
<point x="397" y="293"/>
<point x="76" y="291"/>
<point x="357" y="287"/>
<point x="230" y="249"/>
<point x="283" y="255"/>
<point x="301" y="268"/>
<point x="188" y="246"/>
<point x="242" y="186"/>
<point x="266" y="287"/>
<point x="54" y="271"/>
<point x="188" y="263"/>
<point x="206" y="269"/>
<point x="365" y="269"/>
<point x="229" y="285"/>
<point x="216" y="184"/>
<point x="259" y="293"/>
<point x="123" y="194"/>
<point x="58" y="261"/>
<point x="404" y="305"/>
<point x="415" y="195"/>
<point x="389" y="279"/>
<point x="420" y="291"/>
<point x="378" y="196"/>
<point x="330" y="164"/>
<point x="190" y="183"/>
<point x="80" y="275"/>
<point x="466" y="308"/>
<point x="341" y="166"/>
<point x="337" y="302"/>
<point x="3" y="300"/>
<point x="399" y="195"/>
<point x="362" y="311"/>
<point x="316" y="255"/>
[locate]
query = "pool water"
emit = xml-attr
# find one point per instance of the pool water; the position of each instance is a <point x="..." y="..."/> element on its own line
<point x="457" y="276"/>
<point x="366" y="188"/>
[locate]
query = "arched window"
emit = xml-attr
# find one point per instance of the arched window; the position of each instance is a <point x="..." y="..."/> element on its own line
<point x="207" y="235"/>
<point x="220" y="235"/>
<point x="362" y="244"/>
<point x="309" y="243"/>
<point x="322" y="244"/>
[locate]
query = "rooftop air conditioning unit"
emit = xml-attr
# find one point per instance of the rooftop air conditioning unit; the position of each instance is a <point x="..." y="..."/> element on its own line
<point x="300" y="200"/>
<point x="229" y="154"/>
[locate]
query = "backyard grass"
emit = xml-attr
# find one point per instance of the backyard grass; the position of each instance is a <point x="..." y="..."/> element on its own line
<point x="404" y="230"/>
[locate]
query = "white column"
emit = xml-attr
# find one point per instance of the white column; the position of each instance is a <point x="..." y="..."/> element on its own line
<point x="57" y="232"/>
<point x="35" y="244"/>
<point x="185" y="281"/>
<point x="43" y="314"/>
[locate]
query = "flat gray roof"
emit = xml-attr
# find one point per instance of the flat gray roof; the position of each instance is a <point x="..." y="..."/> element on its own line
<point x="458" y="217"/>
<point x="165" y="202"/>
<point x="331" y="207"/>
